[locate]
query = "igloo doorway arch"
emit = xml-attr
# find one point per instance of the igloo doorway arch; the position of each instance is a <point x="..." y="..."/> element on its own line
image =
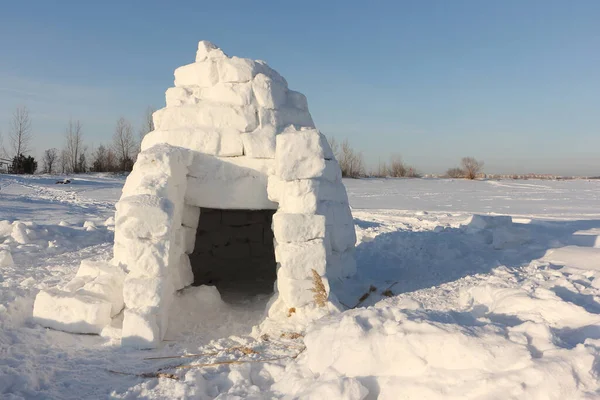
<point x="232" y="136"/>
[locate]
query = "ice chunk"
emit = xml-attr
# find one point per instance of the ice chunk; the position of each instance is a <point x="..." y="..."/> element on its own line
<point x="71" y="312"/>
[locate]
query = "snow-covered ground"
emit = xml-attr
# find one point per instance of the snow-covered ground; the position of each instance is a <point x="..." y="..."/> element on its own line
<point x="458" y="306"/>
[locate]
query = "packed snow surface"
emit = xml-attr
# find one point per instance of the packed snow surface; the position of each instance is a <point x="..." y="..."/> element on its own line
<point x="464" y="290"/>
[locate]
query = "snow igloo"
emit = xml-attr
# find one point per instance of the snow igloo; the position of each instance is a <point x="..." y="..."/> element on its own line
<point x="234" y="188"/>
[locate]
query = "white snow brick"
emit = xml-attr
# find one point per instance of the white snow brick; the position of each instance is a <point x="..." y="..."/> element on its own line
<point x="284" y="116"/>
<point x="108" y="288"/>
<point x="151" y="292"/>
<point x="5" y="228"/>
<point x="143" y="216"/>
<point x="207" y="114"/>
<point x="189" y="239"/>
<point x="299" y="155"/>
<point x="237" y="94"/>
<point x="297" y="100"/>
<point x="231" y="144"/>
<point x="141" y="257"/>
<point x="70" y="312"/>
<point x="92" y="269"/>
<point x="145" y="182"/>
<point x="164" y="158"/>
<point x="240" y="193"/>
<point x="236" y="69"/>
<point x="298" y="227"/>
<point x="297" y="260"/>
<point x="141" y="329"/>
<point x="342" y="237"/>
<point x="6" y="259"/>
<point x="268" y="93"/>
<point x="263" y="68"/>
<point x="304" y="196"/>
<point x="332" y="171"/>
<point x="260" y="143"/>
<point x="274" y="188"/>
<point x="203" y="140"/>
<point x="202" y="74"/>
<point x="204" y="49"/>
<point x="224" y="168"/>
<point x="298" y="292"/>
<point x="191" y="216"/>
<point x="182" y="274"/>
<point x="178" y="96"/>
<point x="341" y="265"/>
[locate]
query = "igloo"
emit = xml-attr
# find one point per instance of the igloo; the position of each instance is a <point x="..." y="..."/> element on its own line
<point x="234" y="185"/>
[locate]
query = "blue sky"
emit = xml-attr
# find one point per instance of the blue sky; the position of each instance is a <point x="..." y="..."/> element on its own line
<point x="514" y="83"/>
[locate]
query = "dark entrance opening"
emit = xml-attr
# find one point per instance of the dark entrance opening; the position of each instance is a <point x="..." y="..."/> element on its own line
<point x="234" y="252"/>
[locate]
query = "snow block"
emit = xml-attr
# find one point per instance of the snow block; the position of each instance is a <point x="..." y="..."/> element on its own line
<point x="164" y="158"/>
<point x="146" y="182"/>
<point x="142" y="292"/>
<point x="141" y="257"/>
<point x="207" y="114"/>
<point x="260" y="143"/>
<point x="141" y="329"/>
<point x="298" y="227"/>
<point x="297" y="260"/>
<point x="297" y="292"/>
<point x="236" y="69"/>
<point x="71" y="312"/>
<point x="202" y="74"/>
<point x="285" y="116"/>
<point x="242" y="193"/>
<point x="179" y="96"/>
<point x="269" y="93"/>
<point x="105" y="287"/>
<point x="299" y="155"/>
<point x="204" y="49"/>
<point x="182" y="274"/>
<point x="189" y="239"/>
<point x="191" y="216"/>
<point x="237" y="94"/>
<point x="144" y="216"/>
<point x="297" y="100"/>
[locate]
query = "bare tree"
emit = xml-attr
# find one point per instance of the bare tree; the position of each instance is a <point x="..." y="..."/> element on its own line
<point x="351" y="162"/>
<point x="20" y="131"/>
<point x="64" y="161"/>
<point x="397" y="168"/>
<point x="471" y="167"/>
<point x="147" y="123"/>
<point x="455" y="173"/>
<point x="50" y="158"/>
<point x="74" y="145"/>
<point x="3" y="153"/>
<point x="124" y="144"/>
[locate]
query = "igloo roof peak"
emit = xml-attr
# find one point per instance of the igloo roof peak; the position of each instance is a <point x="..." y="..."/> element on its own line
<point x="208" y="49"/>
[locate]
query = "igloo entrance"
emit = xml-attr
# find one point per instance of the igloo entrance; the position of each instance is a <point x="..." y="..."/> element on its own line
<point x="234" y="251"/>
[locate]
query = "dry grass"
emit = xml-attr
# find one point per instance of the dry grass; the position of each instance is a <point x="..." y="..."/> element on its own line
<point x="291" y="311"/>
<point x="320" y="293"/>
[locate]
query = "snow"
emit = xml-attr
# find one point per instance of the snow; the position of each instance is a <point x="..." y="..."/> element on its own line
<point x="465" y="320"/>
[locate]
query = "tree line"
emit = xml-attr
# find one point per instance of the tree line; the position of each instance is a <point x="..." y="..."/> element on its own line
<point x="74" y="156"/>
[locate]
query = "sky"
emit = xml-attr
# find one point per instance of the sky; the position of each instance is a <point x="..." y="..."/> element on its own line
<point x="513" y="83"/>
